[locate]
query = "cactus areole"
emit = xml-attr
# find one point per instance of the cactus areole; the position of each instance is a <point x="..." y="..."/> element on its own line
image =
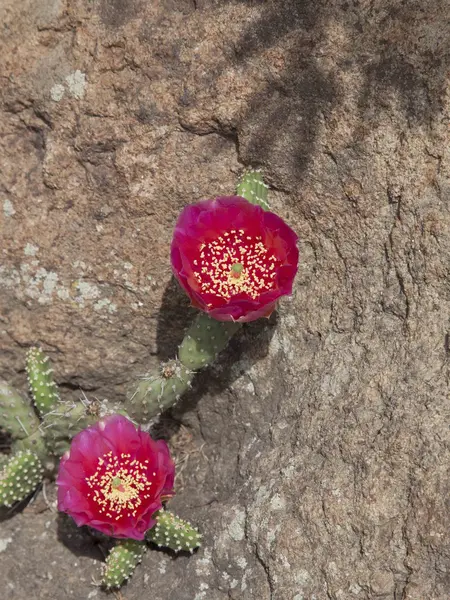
<point x="115" y="478"/>
<point x="234" y="259"/>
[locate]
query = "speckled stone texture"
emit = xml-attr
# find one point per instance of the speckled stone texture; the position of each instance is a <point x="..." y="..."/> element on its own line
<point x="315" y="454"/>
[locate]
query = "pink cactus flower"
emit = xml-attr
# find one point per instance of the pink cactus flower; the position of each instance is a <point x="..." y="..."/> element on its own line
<point x="233" y="259"/>
<point x="114" y="478"/>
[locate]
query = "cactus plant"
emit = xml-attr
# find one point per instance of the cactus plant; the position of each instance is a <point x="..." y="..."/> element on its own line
<point x="202" y="343"/>
<point x="169" y="532"/>
<point x="42" y="433"/>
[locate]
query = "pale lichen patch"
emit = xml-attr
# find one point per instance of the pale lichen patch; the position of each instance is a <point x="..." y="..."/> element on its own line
<point x="4" y="542"/>
<point x="76" y="82"/>
<point x="86" y="290"/>
<point x="107" y="304"/>
<point x="8" y="208"/>
<point x="236" y="528"/>
<point x="30" y="249"/>
<point x="57" y="92"/>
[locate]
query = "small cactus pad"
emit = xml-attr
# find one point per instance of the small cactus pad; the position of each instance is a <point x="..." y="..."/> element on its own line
<point x="204" y="339"/>
<point x="172" y="532"/>
<point x="19" y="477"/>
<point x="122" y="561"/>
<point x="155" y="393"/>
<point x="42" y="387"/>
<point x="17" y="416"/>
<point x="252" y="188"/>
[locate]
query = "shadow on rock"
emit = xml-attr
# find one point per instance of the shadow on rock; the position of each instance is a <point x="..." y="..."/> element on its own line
<point x="175" y="316"/>
<point x="247" y="347"/>
<point x="8" y="512"/>
<point x="82" y="541"/>
<point x="395" y="55"/>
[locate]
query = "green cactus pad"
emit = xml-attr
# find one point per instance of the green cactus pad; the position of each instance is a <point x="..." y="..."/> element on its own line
<point x="252" y="188"/>
<point x="172" y="532"/>
<point x="17" y="416"/>
<point x="154" y="393"/>
<point x="33" y="443"/>
<point x="122" y="561"/>
<point x="203" y="341"/>
<point x="42" y="387"/>
<point x="19" y="477"/>
<point x="66" y="420"/>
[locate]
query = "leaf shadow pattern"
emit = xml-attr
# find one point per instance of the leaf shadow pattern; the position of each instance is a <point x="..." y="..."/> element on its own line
<point x="394" y="51"/>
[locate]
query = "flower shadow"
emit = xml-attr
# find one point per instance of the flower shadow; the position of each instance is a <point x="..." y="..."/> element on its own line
<point x="247" y="347"/>
<point x="8" y="512"/>
<point x="81" y="541"/>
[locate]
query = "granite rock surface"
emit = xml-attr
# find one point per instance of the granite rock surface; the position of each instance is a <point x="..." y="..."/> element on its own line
<point x="314" y="455"/>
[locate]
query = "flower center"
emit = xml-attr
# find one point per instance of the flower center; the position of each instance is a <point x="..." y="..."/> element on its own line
<point x="119" y="485"/>
<point x="236" y="263"/>
<point x="236" y="270"/>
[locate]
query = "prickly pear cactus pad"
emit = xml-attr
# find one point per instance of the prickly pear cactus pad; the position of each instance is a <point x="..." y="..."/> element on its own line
<point x="252" y="187"/>
<point x="40" y="378"/>
<point x="19" y="477"/>
<point x="172" y="532"/>
<point x="121" y="562"/>
<point x="17" y="417"/>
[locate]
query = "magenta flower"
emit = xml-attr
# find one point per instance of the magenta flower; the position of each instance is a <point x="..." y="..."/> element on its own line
<point x="114" y="478"/>
<point x="233" y="259"/>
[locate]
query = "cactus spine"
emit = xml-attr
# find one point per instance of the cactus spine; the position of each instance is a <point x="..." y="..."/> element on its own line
<point x="122" y="561"/>
<point x="203" y="341"/>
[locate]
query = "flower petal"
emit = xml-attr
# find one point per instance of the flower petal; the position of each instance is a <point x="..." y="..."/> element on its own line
<point x="114" y="478"/>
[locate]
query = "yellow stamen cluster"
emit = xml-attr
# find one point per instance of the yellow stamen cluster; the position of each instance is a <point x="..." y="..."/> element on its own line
<point x="119" y="485"/>
<point x="235" y="263"/>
